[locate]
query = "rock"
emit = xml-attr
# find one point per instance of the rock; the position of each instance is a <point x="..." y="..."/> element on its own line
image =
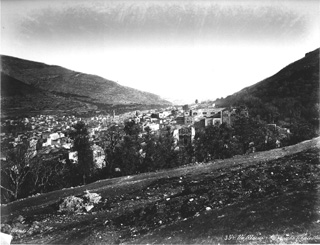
<point x="19" y="219"/>
<point x="89" y="207"/>
<point x="92" y="197"/>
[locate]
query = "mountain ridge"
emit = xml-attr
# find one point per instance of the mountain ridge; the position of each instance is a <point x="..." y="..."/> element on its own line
<point x="291" y="94"/>
<point x="55" y="78"/>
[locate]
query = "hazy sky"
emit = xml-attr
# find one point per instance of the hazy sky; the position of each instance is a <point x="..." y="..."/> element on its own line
<point x="180" y="50"/>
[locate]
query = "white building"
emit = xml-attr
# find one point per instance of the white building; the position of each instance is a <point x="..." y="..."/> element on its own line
<point x="98" y="156"/>
<point x="73" y="156"/>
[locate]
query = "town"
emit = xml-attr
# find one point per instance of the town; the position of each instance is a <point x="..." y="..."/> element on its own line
<point x="47" y="135"/>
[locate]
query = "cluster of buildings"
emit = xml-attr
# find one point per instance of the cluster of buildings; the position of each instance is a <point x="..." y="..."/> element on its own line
<point x="47" y="135"/>
<point x="183" y="121"/>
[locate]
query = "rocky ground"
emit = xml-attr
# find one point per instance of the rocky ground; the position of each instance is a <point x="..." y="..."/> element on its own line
<point x="266" y="197"/>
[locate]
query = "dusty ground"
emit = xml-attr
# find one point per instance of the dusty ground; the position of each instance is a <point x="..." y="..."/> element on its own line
<point x="266" y="197"/>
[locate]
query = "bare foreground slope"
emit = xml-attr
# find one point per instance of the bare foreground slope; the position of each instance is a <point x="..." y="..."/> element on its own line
<point x="265" y="197"/>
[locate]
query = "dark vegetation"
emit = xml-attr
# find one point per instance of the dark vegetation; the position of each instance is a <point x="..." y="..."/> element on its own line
<point x="82" y="145"/>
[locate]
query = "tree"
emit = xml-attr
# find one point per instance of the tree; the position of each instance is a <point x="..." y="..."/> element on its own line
<point x="185" y="107"/>
<point x="271" y="113"/>
<point x="132" y="129"/>
<point x="111" y="142"/>
<point x="127" y="155"/>
<point x="122" y="150"/>
<point x="82" y="145"/>
<point x="206" y="143"/>
<point x="15" y="170"/>
<point x="301" y="131"/>
<point x="148" y="152"/>
<point x="49" y="175"/>
<point x="247" y="130"/>
<point x="196" y="101"/>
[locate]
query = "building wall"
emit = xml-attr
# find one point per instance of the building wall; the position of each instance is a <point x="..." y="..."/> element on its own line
<point x="180" y="120"/>
<point x="189" y="120"/>
<point x="207" y="112"/>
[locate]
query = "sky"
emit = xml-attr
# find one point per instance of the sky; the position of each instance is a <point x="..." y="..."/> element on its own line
<point x="179" y="50"/>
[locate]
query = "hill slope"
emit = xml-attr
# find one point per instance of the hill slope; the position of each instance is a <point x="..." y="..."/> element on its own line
<point x="21" y="99"/>
<point x="13" y="87"/>
<point x="58" y="79"/>
<point x="291" y="94"/>
<point x="265" y="197"/>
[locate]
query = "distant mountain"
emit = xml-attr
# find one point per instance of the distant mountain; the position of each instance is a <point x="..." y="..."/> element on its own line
<point x="90" y="88"/>
<point x="290" y="95"/>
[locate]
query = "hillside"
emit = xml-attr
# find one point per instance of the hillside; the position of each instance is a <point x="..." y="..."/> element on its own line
<point x="290" y="95"/>
<point x="13" y="87"/>
<point x="265" y="197"/>
<point x="21" y="99"/>
<point x="91" y="88"/>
